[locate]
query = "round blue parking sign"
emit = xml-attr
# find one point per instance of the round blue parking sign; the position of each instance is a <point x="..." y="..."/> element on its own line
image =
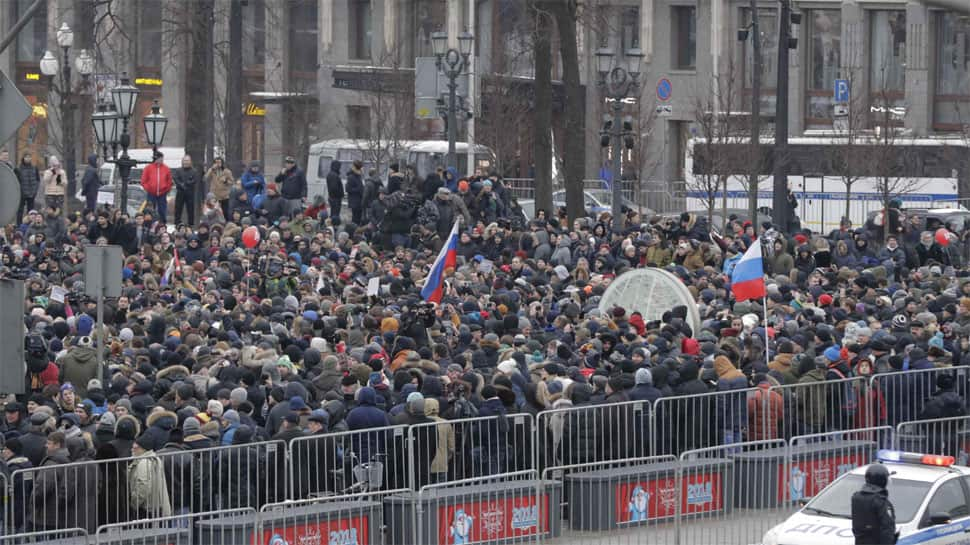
<point x="664" y="89"/>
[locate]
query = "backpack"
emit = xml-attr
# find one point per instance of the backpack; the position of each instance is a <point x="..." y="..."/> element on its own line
<point x="428" y="215"/>
<point x="462" y="408"/>
<point x="35" y="352"/>
<point x="850" y="396"/>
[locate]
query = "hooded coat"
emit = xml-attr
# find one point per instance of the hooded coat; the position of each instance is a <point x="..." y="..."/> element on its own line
<point x="79" y="366"/>
<point x="90" y="182"/>
<point x="335" y="186"/>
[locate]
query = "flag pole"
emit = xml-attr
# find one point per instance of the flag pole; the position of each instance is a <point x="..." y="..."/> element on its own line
<point x="764" y="302"/>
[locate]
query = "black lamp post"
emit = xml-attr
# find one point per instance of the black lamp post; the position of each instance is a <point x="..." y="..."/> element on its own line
<point x="452" y="62"/>
<point x="50" y="67"/>
<point x="618" y="84"/>
<point x="111" y="129"/>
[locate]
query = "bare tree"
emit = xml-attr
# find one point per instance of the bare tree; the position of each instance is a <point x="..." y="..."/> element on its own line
<point x="888" y="154"/>
<point x="574" y="149"/>
<point x="715" y="151"/>
<point x="846" y="158"/>
<point x="390" y="102"/>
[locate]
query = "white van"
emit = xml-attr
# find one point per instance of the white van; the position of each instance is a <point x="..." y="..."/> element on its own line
<point x="424" y="154"/>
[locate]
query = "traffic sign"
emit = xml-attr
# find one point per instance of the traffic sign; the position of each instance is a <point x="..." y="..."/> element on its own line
<point x="841" y="91"/>
<point x="665" y="110"/>
<point x="102" y="270"/>
<point x="664" y="89"/>
<point x="14" y="106"/>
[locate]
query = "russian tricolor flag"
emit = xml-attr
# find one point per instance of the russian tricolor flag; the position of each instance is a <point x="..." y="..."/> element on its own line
<point x="171" y="270"/>
<point x="748" y="277"/>
<point x="447" y="259"/>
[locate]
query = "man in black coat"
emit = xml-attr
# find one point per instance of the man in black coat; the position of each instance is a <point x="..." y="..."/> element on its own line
<point x="335" y="189"/>
<point x="185" y="179"/>
<point x="873" y="517"/>
<point x="355" y="191"/>
<point x="90" y="183"/>
<point x="292" y="185"/>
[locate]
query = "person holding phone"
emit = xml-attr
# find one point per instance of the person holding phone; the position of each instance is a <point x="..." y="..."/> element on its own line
<point x="55" y="183"/>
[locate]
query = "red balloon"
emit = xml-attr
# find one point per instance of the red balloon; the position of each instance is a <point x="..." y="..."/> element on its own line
<point x="250" y="237"/>
<point x="943" y="237"/>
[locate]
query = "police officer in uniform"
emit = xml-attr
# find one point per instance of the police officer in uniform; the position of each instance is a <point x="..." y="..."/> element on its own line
<point x="873" y="517"/>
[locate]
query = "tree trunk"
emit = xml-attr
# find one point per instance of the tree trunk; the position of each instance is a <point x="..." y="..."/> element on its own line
<point x="542" y="115"/>
<point x="848" y="201"/>
<point x="234" y="112"/>
<point x="574" y="147"/>
<point x="196" y="132"/>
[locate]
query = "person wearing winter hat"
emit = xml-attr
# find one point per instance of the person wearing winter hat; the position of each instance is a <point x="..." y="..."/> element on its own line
<point x="237" y="397"/>
<point x="214" y="409"/>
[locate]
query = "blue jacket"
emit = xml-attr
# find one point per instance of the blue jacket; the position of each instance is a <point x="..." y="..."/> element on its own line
<point x="254" y="184"/>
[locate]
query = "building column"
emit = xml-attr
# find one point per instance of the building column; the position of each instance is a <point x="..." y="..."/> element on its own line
<point x="332" y="47"/>
<point x="855" y="36"/>
<point x="919" y="100"/>
<point x="276" y="74"/>
<point x="174" y="68"/>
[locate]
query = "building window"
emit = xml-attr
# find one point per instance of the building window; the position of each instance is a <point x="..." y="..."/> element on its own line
<point x="254" y="33"/>
<point x="768" y="30"/>
<point x="684" y="34"/>
<point x="150" y="33"/>
<point x="629" y="28"/>
<point x="887" y="53"/>
<point x="429" y="16"/>
<point x="952" y="105"/>
<point x="360" y="30"/>
<point x="32" y="40"/>
<point x="824" y="28"/>
<point x="303" y="36"/>
<point x="358" y="122"/>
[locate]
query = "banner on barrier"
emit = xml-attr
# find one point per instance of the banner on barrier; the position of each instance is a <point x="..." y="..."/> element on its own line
<point x="639" y="501"/>
<point x="490" y="520"/>
<point x="344" y="531"/>
<point x="808" y="477"/>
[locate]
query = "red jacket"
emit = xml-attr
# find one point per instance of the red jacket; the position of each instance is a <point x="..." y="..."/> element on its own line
<point x="156" y="180"/>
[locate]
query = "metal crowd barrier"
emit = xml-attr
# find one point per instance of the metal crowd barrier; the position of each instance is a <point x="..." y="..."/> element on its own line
<point x="209" y="528"/>
<point x="499" y="508"/>
<point x="594" y="433"/>
<point x="331" y="464"/>
<point x="455" y="450"/>
<point x="350" y="519"/>
<point x="905" y="393"/>
<point x="819" y="407"/>
<point x="66" y="536"/>
<point x="94" y="493"/>
<point x="698" y="421"/>
<point x="949" y="436"/>
<point x="617" y="501"/>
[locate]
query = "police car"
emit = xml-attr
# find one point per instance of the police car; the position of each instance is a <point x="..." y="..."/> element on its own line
<point x="931" y="497"/>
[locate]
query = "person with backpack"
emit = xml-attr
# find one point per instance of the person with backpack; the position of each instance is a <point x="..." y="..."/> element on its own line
<point x="842" y="401"/>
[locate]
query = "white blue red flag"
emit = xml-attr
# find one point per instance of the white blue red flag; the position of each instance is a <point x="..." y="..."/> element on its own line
<point x="172" y="268"/>
<point x="748" y="277"/>
<point x="447" y="259"/>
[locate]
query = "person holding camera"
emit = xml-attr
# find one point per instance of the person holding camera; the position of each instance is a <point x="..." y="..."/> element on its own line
<point x="55" y="183"/>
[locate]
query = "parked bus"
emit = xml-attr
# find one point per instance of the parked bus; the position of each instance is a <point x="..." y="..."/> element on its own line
<point x="929" y="168"/>
<point x="426" y="155"/>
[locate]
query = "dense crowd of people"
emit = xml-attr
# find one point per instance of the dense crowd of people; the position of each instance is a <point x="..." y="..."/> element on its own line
<point x="215" y="343"/>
